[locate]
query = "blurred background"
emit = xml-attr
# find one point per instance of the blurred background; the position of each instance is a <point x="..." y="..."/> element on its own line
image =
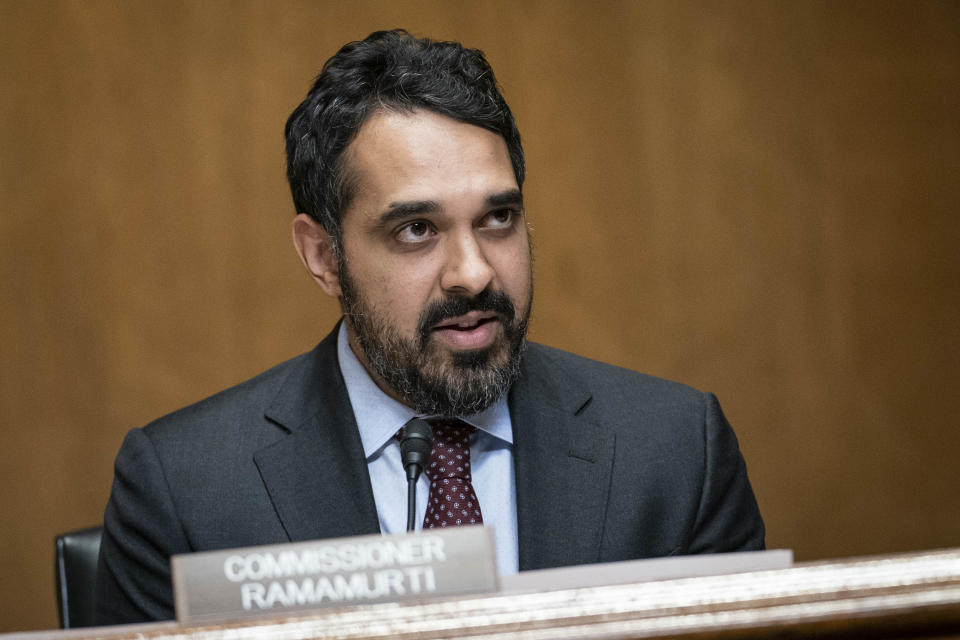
<point x="756" y="198"/>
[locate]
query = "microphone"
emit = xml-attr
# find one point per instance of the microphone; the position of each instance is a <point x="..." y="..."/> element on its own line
<point x="416" y="444"/>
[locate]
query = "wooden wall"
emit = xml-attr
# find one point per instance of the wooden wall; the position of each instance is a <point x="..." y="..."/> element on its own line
<point x="757" y="198"/>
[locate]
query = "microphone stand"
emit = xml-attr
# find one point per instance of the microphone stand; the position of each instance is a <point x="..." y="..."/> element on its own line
<point x="416" y="445"/>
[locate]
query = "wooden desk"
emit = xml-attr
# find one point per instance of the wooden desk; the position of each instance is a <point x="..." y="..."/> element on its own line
<point x="903" y="596"/>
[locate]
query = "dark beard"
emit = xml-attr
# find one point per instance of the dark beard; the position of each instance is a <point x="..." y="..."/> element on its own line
<point x="427" y="378"/>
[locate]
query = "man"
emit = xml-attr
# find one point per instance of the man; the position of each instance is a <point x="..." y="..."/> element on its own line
<point x="406" y="169"/>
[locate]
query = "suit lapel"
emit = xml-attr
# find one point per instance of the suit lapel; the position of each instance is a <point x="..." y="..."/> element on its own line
<point x="563" y="466"/>
<point x="317" y="475"/>
<point x="318" y="481"/>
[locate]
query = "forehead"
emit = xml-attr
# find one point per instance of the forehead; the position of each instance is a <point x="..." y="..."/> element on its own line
<point x="424" y="155"/>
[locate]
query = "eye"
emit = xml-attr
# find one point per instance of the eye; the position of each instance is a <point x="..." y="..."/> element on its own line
<point x="414" y="232"/>
<point x="500" y="219"/>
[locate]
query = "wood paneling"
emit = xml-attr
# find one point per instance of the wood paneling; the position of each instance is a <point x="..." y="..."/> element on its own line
<point x="759" y="199"/>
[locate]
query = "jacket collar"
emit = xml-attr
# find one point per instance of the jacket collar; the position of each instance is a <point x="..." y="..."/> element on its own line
<point x="318" y="481"/>
<point x="563" y="463"/>
<point x="317" y="476"/>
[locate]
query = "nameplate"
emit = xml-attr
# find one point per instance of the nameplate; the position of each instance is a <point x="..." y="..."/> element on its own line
<point x="252" y="581"/>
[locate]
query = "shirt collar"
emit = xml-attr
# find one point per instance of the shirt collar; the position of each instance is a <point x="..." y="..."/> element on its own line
<point x="379" y="416"/>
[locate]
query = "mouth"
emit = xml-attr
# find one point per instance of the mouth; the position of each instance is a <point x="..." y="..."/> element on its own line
<point x="466" y="322"/>
<point x="473" y="330"/>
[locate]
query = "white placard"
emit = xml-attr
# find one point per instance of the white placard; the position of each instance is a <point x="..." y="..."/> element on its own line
<point x="251" y="581"/>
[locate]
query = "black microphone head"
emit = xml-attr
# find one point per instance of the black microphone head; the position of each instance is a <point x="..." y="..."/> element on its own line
<point x="416" y="443"/>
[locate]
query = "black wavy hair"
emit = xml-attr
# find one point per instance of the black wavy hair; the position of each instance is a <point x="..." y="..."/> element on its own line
<point x="385" y="70"/>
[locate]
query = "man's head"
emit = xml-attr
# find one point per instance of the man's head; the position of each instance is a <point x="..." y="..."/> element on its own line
<point x="387" y="70"/>
<point x="425" y="241"/>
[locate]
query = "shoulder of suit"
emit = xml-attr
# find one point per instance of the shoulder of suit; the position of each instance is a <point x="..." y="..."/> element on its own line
<point x="607" y="381"/>
<point x="235" y="406"/>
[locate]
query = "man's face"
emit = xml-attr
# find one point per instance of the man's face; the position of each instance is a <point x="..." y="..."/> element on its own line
<point x="435" y="266"/>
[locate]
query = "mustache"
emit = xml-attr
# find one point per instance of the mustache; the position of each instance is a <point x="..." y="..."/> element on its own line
<point x="451" y="307"/>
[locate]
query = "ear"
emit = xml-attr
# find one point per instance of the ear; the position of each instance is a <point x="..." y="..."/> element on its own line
<point x="315" y="248"/>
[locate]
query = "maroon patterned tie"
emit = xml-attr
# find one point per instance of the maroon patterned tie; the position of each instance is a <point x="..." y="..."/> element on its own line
<point x="452" y="500"/>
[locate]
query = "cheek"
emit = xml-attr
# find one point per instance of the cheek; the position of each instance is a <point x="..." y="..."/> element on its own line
<point x="399" y="293"/>
<point x="514" y="269"/>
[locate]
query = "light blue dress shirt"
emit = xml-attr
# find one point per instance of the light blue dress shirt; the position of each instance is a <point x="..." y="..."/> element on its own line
<point x="379" y="417"/>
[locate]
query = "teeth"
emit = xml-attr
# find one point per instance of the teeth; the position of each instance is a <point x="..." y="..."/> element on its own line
<point x="464" y="324"/>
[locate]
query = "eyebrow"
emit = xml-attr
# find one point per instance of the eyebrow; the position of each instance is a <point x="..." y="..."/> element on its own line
<point x="400" y="210"/>
<point x="409" y="208"/>
<point x="505" y="198"/>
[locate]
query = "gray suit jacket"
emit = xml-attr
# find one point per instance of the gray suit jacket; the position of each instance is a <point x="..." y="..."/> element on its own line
<point x="610" y="465"/>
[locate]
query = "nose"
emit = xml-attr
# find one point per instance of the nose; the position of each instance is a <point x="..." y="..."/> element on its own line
<point x="467" y="270"/>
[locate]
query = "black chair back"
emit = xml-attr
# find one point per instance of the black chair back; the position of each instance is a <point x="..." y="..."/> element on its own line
<point x="76" y="567"/>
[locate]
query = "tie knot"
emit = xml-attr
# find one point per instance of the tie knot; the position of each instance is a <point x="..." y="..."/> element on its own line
<point x="451" y="450"/>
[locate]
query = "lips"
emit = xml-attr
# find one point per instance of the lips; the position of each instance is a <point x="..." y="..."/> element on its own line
<point x="473" y="330"/>
<point x="466" y="322"/>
